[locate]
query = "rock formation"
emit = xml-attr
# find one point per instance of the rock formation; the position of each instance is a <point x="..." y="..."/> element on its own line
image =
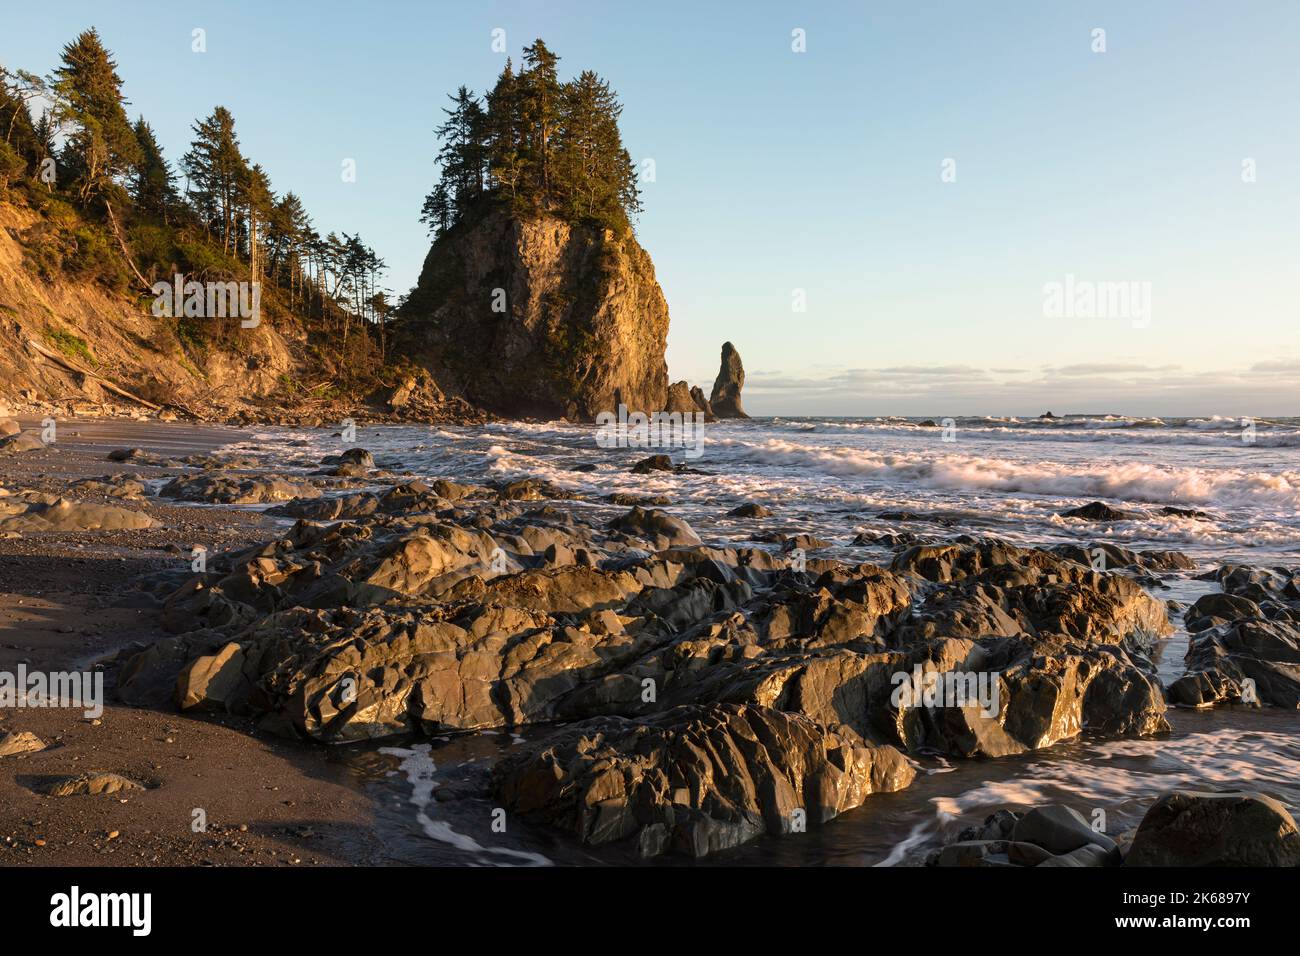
<point x="725" y="400"/>
<point x="684" y="399"/>
<point x="538" y="318"/>
<point x="708" y="692"/>
<point x="1245" y="643"/>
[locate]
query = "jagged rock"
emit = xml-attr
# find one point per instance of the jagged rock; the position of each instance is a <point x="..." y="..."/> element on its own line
<point x="1217" y="608"/>
<point x="684" y="400"/>
<point x="1060" y="829"/>
<point x="328" y="509"/>
<point x="657" y="526"/>
<point x="584" y="327"/>
<point x="750" y="510"/>
<point x="66" y="515"/>
<point x="725" y="399"/>
<point x="213" y="682"/>
<point x="1221" y="659"/>
<point x="112" y="486"/>
<point x="652" y="464"/>
<point x="1100" y="511"/>
<point x="695" y="779"/>
<point x="701" y="402"/>
<point x="16" y="742"/>
<point x="91" y="784"/>
<point x="1230" y="828"/>
<point x="1172" y="512"/>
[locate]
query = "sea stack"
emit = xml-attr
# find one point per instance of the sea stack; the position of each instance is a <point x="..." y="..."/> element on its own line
<point x="725" y="400"/>
<point x="535" y="317"/>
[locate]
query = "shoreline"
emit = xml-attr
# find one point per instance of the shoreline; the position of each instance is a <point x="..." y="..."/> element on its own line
<point x="68" y="598"/>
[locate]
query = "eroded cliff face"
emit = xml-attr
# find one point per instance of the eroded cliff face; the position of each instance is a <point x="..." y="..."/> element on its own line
<point x="538" y="318"/>
<point x="64" y="343"/>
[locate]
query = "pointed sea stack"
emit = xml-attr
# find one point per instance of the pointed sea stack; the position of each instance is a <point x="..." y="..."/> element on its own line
<point x="725" y="400"/>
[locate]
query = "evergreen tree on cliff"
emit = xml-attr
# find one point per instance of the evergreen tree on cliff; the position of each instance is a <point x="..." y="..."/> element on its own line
<point x="102" y="146"/>
<point x="153" y="184"/>
<point x="216" y="167"/>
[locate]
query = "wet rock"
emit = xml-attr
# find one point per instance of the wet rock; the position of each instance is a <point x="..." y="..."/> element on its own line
<point x="654" y="463"/>
<point x="1223" y="659"/>
<point x="1230" y="828"/>
<point x="1061" y="829"/>
<point x="1224" y="607"/>
<point x="1171" y="512"/>
<point x="695" y="780"/>
<point x="659" y="527"/>
<point x="1100" y="511"/>
<point x="750" y="510"/>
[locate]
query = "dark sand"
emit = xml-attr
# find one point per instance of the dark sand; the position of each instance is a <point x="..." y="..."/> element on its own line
<point x="65" y="602"/>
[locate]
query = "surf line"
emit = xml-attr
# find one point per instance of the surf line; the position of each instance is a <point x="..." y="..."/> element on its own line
<point x="419" y="768"/>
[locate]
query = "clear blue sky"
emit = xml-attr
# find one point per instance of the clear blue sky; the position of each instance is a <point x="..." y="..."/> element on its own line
<point x="820" y="171"/>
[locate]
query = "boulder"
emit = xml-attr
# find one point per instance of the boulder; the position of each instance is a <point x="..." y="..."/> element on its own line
<point x="66" y="515"/>
<point x="664" y="530"/>
<point x="1100" y="511"/>
<point x="1060" y="829"/>
<point x="17" y="443"/>
<point x="213" y="682"/>
<point x="1228" y="828"/>
<point x="750" y="510"/>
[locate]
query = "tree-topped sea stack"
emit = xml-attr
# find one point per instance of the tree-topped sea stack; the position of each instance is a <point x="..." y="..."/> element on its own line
<point x="536" y="299"/>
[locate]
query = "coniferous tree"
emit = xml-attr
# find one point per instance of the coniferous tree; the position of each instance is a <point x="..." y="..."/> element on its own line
<point x="102" y="146"/>
<point x="153" y="184"/>
<point x="539" y="109"/>
<point x="216" y="167"/>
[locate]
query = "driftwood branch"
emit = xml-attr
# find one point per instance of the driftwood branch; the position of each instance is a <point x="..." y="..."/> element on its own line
<point x="71" y="366"/>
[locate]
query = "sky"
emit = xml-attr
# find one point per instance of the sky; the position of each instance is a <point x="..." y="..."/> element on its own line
<point x="883" y="205"/>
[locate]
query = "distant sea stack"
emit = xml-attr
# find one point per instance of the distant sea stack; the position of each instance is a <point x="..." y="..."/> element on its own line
<point x="725" y="400"/>
<point x="537" y="317"/>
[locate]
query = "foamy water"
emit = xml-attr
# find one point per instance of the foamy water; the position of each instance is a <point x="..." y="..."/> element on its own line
<point x="832" y="477"/>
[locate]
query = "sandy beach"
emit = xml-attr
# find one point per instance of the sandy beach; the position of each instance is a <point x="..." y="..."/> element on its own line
<point x="67" y="600"/>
